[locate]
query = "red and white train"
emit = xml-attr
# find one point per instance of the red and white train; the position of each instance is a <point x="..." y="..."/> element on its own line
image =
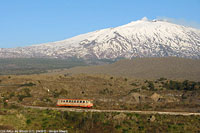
<point x="75" y="102"/>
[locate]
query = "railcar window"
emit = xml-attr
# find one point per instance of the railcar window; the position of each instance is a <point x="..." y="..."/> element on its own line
<point x="83" y="101"/>
<point x="67" y="101"/>
<point x="70" y="101"/>
<point x="80" y="101"/>
<point x="77" y="101"/>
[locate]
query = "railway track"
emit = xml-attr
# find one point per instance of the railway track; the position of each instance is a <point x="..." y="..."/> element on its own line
<point x="118" y="111"/>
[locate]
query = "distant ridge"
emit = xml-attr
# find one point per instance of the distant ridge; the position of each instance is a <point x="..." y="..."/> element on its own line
<point x="147" y="68"/>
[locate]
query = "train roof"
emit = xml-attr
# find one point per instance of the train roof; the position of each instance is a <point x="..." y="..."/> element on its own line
<point x="75" y="99"/>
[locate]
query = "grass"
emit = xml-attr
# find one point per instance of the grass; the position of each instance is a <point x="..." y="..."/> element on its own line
<point x="35" y="119"/>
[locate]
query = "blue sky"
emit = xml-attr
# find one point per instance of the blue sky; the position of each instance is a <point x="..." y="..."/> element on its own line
<point x="27" y="22"/>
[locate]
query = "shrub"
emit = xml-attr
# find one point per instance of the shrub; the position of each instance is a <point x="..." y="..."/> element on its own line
<point x="118" y="127"/>
<point x="133" y="90"/>
<point x="27" y="84"/>
<point x="133" y="84"/>
<point x="105" y="91"/>
<point x="162" y="79"/>
<point x="25" y="93"/>
<point x="185" y="85"/>
<point x="28" y="121"/>
<point x="11" y="94"/>
<point x="57" y="93"/>
<point x="151" y="85"/>
<point x="144" y="87"/>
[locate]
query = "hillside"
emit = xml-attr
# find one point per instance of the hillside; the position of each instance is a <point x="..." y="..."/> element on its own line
<point x="147" y="68"/>
<point x="108" y="92"/>
<point x="21" y="66"/>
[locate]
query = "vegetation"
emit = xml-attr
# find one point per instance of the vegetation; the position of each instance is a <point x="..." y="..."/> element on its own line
<point x="23" y="94"/>
<point x="27" y="84"/>
<point x="36" y="65"/>
<point x="108" y="92"/>
<point x="34" y="119"/>
<point x="57" y="93"/>
<point x="162" y="79"/>
<point x="185" y="85"/>
<point x="151" y="85"/>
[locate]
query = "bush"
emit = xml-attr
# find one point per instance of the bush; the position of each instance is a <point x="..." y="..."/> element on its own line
<point x="162" y="79"/>
<point x="12" y="94"/>
<point x="118" y="127"/>
<point x="105" y="91"/>
<point x="28" y="121"/>
<point x="185" y="85"/>
<point x="57" y="93"/>
<point x="133" y="90"/>
<point x="144" y="87"/>
<point x="151" y="85"/>
<point x="133" y="84"/>
<point x="27" y="84"/>
<point x="25" y="93"/>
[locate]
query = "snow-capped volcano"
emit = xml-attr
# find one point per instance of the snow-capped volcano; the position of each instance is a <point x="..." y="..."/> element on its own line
<point x="142" y="38"/>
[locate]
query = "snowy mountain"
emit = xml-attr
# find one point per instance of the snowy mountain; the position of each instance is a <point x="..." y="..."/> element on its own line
<point x="142" y="38"/>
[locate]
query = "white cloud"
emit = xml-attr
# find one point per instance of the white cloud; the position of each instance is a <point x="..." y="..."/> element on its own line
<point x="180" y="22"/>
<point x="144" y="19"/>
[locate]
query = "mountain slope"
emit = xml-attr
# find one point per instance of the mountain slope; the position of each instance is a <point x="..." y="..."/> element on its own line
<point x="147" y="68"/>
<point x="142" y="38"/>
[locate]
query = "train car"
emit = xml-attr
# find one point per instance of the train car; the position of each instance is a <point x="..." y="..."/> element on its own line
<point x="75" y="103"/>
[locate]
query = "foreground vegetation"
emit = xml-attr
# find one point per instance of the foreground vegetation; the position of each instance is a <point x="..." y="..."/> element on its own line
<point x="13" y="117"/>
